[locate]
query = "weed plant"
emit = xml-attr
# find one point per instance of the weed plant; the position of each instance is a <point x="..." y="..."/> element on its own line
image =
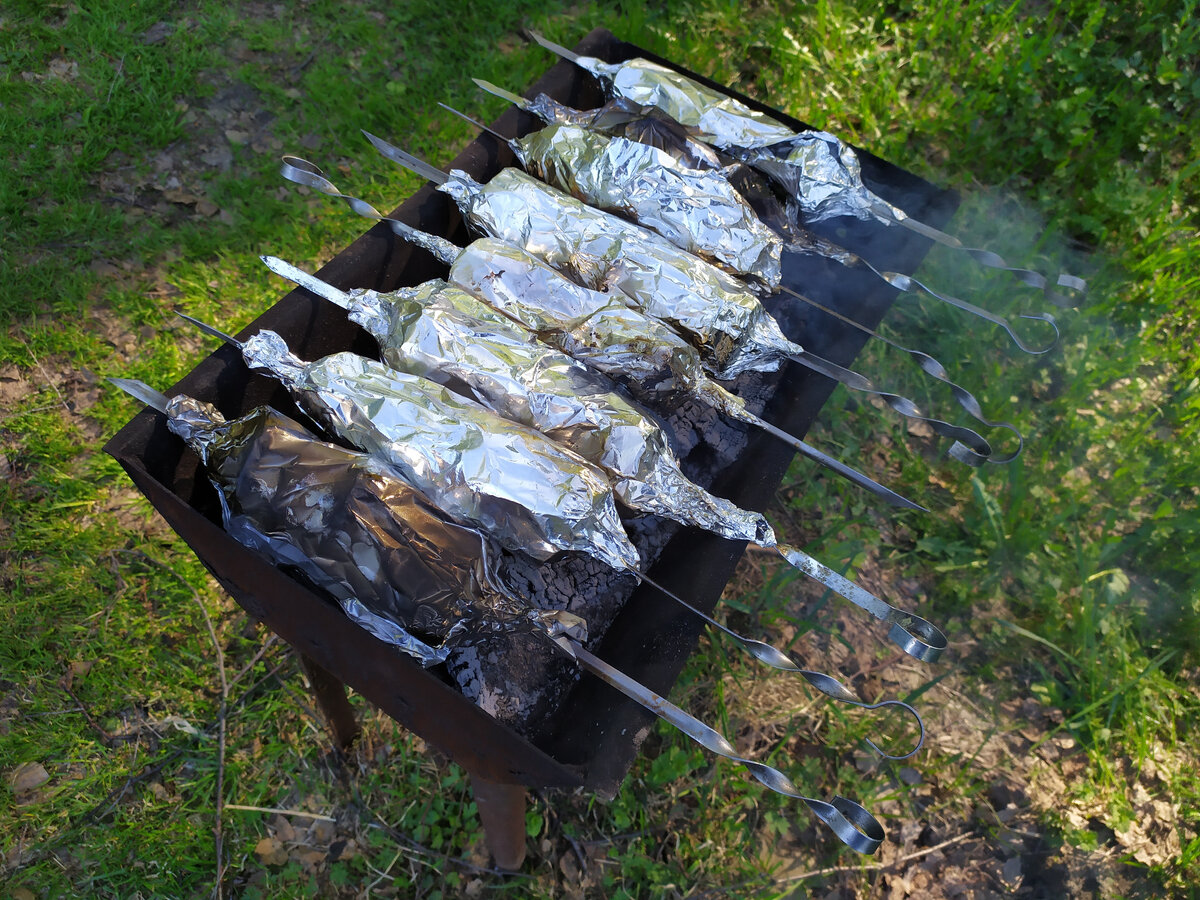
<point x="141" y="142"/>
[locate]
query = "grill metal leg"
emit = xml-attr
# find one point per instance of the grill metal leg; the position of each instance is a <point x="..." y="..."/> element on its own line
<point x="335" y="706"/>
<point x="502" y="811"/>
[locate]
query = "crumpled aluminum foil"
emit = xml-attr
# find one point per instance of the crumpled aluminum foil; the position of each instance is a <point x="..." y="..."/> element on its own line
<point x="596" y="328"/>
<point x="698" y="211"/>
<point x="352" y="527"/>
<point x="822" y="175"/>
<point x="718" y="118"/>
<point x="820" y="172"/>
<point x="435" y="332"/>
<point x="516" y="485"/>
<point x="726" y="322"/>
<point x="620" y="117"/>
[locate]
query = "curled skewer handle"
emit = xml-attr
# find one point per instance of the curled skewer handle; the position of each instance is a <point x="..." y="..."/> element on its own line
<point x="835" y="690"/>
<point x="930" y="366"/>
<point x="776" y="658"/>
<point x="995" y="261"/>
<point x="970" y="447"/>
<point x="916" y="636"/>
<point x="907" y="283"/>
<point x="850" y="821"/>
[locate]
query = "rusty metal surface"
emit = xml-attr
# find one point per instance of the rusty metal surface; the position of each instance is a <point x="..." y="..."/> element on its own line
<point x="593" y="735"/>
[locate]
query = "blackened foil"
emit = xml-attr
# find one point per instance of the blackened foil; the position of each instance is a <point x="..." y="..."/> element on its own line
<point x="397" y="567"/>
<point x="822" y="175"/>
<point x="696" y="210"/>
<point x="516" y="485"/>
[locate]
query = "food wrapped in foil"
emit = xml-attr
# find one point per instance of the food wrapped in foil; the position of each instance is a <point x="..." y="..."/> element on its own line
<point x="354" y="528"/>
<point x="441" y="332"/>
<point x="716" y="117"/>
<point x="821" y="173"/>
<point x="597" y="328"/>
<point x="620" y="117"/>
<point x="698" y="211"/>
<point x="716" y="312"/>
<point x="523" y="490"/>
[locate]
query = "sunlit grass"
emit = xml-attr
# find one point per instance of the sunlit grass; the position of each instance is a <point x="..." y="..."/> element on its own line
<point x="1069" y="133"/>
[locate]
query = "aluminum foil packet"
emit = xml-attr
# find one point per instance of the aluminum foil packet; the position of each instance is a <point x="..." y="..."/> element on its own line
<point x="726" y="322"/>
<point x="599" y="329"/>
<point x="822" y="176"/>
<point x="505" y="368"/>
<point x="696" y="210"/>
<point x="519" y="487"/>
<point x="395" y="565"/>
<point x="620" y="117"/>
<point x="718" y="118"/>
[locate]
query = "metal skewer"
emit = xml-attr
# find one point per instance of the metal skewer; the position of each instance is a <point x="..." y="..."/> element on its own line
<point x="970" y="447"/>
<point x="888" y="214"/>
<point x="303" y="172"/>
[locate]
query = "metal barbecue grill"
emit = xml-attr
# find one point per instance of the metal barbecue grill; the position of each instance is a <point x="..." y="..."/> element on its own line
<point x="586" y="734"/>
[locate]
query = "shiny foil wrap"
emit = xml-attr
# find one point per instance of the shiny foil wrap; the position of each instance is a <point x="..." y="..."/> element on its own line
<point x="727" y="323"/>
<point x="820" y="172"/>
<point x="718" y="118"/>
<point x="822" y="175"/>
<point x="506" y="369"/>
<point x="620" y="117"/>
<point x="352" y="527"/>
<point x="596" y="328"/>
<point x="698" y="211"/>
<point x="515" y="484"/>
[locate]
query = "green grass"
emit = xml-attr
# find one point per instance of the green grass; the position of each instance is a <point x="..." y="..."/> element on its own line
<point x="141" y="176"/>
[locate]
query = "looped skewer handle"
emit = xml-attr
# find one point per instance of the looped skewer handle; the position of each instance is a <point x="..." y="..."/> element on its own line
<point x="850" y="821"/>
<point x="907" y="283"/>
<point x="776" y="658"/>
<point x="970" y="447"/>
<point x="916" y="636"/>
<point x="930" y="367"/>
<point x="994" y="261"/>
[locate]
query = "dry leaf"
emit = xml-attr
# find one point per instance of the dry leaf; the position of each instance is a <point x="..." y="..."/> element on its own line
<point x="271" y="852"/>
<point x="27" y="777"/>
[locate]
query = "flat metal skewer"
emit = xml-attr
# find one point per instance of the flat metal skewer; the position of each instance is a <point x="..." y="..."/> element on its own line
<point x="303" y="172"/>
